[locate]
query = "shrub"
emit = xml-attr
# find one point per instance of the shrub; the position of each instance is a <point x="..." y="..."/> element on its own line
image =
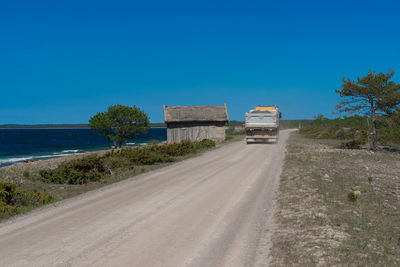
<point x="138" y="156"/>
<point x="31" y="198"/>
<point x="78" y="171"/>
<point x="26" y="175"/>
<point x="116" y="162"/>
<point x="204" y="144"/>
<point x="93" y="168"/>
<point x="353" y="144"/>
<point x="14" y="200"/>
<point x="145" y="156"/>
<point x="7" y="210"/>
<point x="6" y="192"/>
<point x="352" y="196"/>
<point x="175" y="149"/>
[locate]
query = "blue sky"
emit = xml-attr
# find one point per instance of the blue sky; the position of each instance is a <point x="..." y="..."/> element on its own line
<point x="63" y="61"/>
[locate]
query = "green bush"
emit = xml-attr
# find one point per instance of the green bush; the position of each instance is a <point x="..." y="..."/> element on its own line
<point x="78" y="171"/>
<point x="352" y="196"/>
<point x="353" y="144"/>
<point x="93" y="168"/>
<point x="142" y="156"/>
<point x="154" y="154"/>
<point x="26" y="175"/>
<point x="175" y="149"/>
<point x="354" y="127"/>
<point x="14" y="200"/>
<point x="7" y="210"/>
<point x="117" y="162"/>
<point x="204" y="144"/>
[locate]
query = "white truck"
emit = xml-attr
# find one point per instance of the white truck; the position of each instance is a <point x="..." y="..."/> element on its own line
<point x="262" y="124"/>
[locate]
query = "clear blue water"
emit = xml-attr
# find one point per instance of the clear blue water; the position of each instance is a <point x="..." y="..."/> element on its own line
<point x="17" y="145"/>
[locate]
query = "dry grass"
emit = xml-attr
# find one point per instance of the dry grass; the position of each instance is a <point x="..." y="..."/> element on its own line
<point x="317" y="225"/>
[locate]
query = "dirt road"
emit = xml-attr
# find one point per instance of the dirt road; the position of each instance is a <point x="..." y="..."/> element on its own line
<point x="212" y="210"/>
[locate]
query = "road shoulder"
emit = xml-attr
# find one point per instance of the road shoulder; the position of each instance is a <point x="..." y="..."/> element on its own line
<point x="318" y="223"/>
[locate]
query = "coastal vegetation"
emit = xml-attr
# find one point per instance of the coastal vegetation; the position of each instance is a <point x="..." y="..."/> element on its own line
<point x="120" y="123"/>
<point x="373" y="101"/>
<point x="356" y="129"/>
<point x="14" y="200"/>
<point x="338" y="200"/>
<point x="98" y="168"/>
<point x="337" y="207"/>
<point x="371" y="95"/>
<point x="102" y="124"/>
<point x="27" y="186"/>
<point x="347" y="128"/>
<point x="45" y="181"/>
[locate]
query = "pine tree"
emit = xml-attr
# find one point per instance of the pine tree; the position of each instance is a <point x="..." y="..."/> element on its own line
<point x="372" y="95"/>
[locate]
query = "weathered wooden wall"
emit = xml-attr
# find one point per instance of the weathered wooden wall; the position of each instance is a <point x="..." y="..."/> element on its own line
<point x="195" y="131"/>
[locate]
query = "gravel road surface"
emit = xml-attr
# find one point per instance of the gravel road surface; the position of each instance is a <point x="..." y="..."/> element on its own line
<point x="211" y="210"/>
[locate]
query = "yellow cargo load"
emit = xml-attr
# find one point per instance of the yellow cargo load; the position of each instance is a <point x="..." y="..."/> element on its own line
<point x="267" y="108"/>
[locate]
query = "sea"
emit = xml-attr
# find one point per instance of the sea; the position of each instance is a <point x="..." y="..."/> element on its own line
<point x="21" y="145"/>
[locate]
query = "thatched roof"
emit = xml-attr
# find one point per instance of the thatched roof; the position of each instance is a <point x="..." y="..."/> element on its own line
<point x="195" y="113"/>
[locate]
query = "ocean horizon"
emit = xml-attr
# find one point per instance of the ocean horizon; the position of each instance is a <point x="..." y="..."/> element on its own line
<point x="20" y="145"/>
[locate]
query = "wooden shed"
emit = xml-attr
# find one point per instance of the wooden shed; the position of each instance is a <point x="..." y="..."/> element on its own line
<point x="195" y="123"/>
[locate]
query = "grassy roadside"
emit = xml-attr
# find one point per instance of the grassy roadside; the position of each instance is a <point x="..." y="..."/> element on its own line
<point x="319" y="221"/>
<point x="23" y="187"/>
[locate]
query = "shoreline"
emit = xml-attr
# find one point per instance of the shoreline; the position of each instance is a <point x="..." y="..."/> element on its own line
<point x="23" y="145"/>
<point x="27" y="175"/>
<point x="49" y="156"/>
<point x="8" y="161"/>
<point x="53" y="161"/>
